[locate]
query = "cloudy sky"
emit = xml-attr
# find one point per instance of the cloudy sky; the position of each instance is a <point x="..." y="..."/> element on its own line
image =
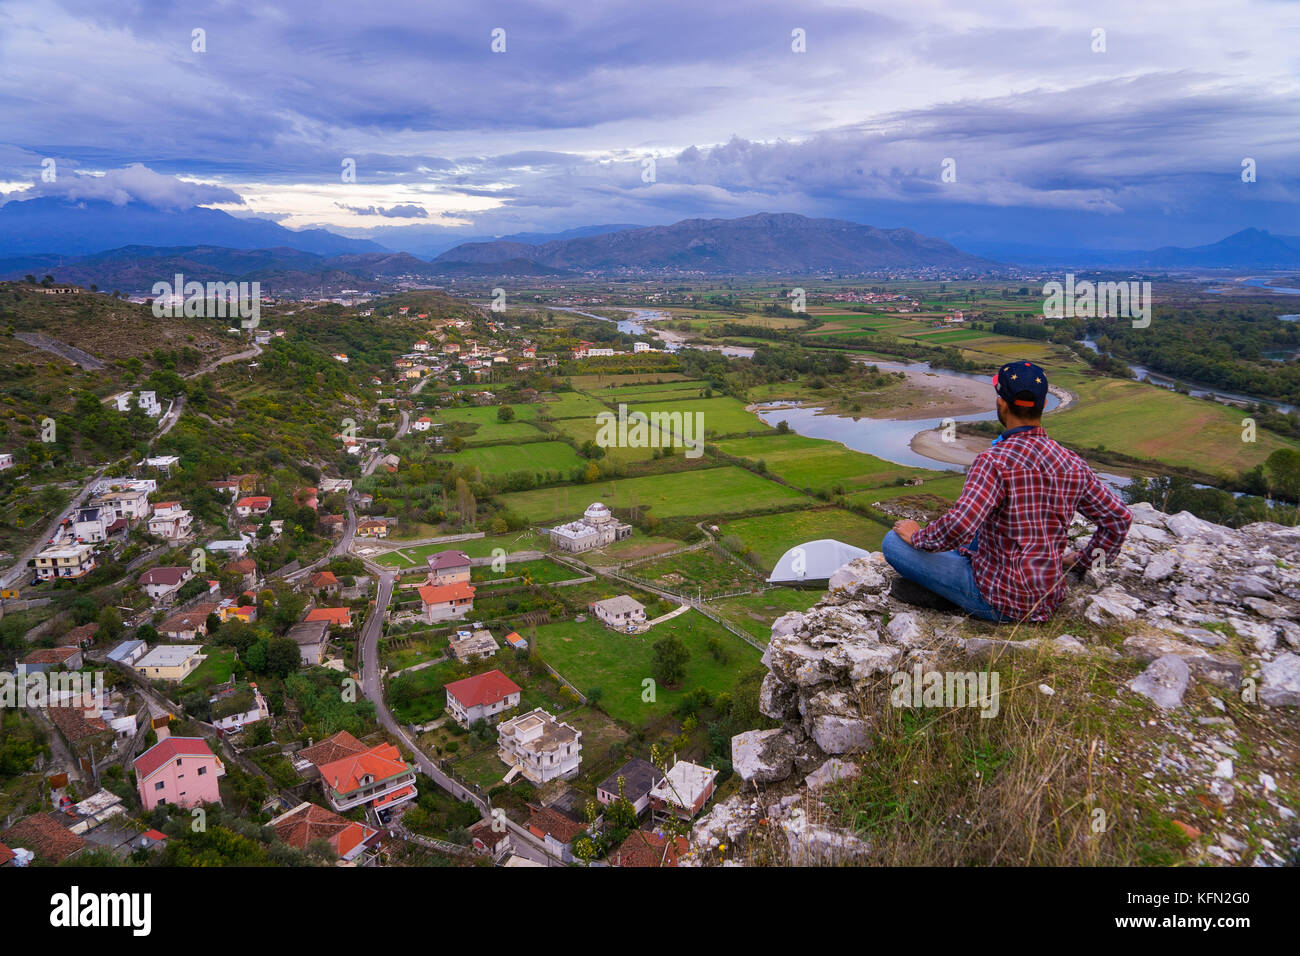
<point x="649" y="113"/>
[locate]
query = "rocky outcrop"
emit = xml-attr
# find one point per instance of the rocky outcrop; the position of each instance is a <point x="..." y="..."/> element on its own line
<point x="1188" y="604"/>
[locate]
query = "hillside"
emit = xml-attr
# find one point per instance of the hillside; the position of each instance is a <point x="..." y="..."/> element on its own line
<point x="134" y="269"/>
<point x="1152" y="721"/>
<point x="782" y="243"/>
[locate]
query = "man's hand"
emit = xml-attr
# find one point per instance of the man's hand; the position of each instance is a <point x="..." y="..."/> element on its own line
<point x="906" y="528"/>
<point x="1070" y="559"/>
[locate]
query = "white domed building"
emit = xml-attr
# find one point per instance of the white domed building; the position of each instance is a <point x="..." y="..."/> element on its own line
<point x="596" y="528"/>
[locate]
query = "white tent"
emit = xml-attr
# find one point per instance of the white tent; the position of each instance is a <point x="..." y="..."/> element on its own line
<point x="813" y="561"/>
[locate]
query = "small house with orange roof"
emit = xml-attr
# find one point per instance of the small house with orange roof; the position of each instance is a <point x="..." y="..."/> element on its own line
<point x="446" y="601"/>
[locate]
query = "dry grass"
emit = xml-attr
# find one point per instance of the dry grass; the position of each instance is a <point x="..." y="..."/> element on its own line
<point x="1072" y="778"/>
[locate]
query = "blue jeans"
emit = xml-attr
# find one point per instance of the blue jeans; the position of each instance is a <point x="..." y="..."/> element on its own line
<point x="946" y="573"/>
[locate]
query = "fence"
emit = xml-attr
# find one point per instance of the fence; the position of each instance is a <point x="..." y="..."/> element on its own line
<point x="558" y="676"/>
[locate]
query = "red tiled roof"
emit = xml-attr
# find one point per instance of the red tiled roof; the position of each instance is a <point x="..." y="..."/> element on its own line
<point x="50" y="655"/>
<point x="45" y="837"/>
<point x="170" y="749"/>
<point x="6" y="854"/>
<point x="308" y="822"/>
<point x="645" y="848"/>
<point x="547" y="822"/>
<point x="242" y="566"/>
<point x="165" y="576"/>
<point x="323" y="579"/>
<point x="341" y="616"/>
<point x="380" y="762"/>
<point x="444" y="593"/>
<point x="74" y="723"/>
<point x="487" y="688"/>
<point x="332" y="748"/>
<point x="388" y="798"/>
<point x="254" y="501"/>
<point x="190" y="620"/>
<point x="156" y="835"/>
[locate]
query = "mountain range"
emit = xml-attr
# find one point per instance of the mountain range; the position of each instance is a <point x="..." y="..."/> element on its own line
<point x="131" y="246"/>
<point x="1247" y="249"/>
<point x="766" y="243"/>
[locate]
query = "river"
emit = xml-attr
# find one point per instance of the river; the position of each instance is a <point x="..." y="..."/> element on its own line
<point x="887" y="438"/>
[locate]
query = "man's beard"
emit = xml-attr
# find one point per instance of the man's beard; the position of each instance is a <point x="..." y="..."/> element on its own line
<point x="1002" y="419"/>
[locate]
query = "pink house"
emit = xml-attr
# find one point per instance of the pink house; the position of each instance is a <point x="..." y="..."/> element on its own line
<point x="179" y="770"/>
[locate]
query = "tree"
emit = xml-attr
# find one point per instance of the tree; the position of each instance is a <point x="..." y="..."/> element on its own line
<point x="669" y="662"/>
<point x="1283" y="470"/>
<point x="110" y="623"/>
<point x="505" y="413"/>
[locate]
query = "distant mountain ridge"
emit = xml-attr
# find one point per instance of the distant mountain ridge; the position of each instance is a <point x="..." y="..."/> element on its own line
<point x="763" y="243"/>
<point x="1247" y="249"/>
<point x="135" y="269"/>
<point x="80" y="227"/>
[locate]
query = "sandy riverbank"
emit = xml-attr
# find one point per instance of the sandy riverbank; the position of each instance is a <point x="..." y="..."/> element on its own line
<point x="961" y="451"/>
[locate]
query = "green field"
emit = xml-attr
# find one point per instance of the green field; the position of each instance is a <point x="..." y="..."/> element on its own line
<point x="541" y="571"/>
<point x="590" y="656"/>
<point x="722" y="416"/>
<point x="770" y="536"/>
<point x="669" y="391"/>
<point x="574" y="405"/>
<point x="542" y="456"/>
<point x="814" y="463"/>
<point x="1146" y="421"/>
<point x="483" y="414"/>
<point x="598" y="380"/>
<point x="705" y="492"/>
<point x="693" y="572"/>
<point x="754" y="613"/>
<point x="503" y="431"/>
<point x="218" y="667"/>
<point x="948" y="487"/>
<point x="586" y="429"/>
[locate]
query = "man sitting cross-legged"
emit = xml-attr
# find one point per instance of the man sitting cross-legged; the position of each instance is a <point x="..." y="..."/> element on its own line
<point x="999" y="552"/>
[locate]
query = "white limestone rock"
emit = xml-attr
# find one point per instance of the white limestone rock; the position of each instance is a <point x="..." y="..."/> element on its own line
<point x="763" y="756"/>
<point x="1281" y="687"/>
<point x="1163" y="682"/>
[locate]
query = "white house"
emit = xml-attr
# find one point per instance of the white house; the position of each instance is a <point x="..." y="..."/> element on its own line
<point x="253" y="505"/>
<point x="422" y="424"/>
<point x="481" y="697"/>
<point x="619" y="612"/>
<point x="89" y="524"/>
<point x="161" y="584"/>
<point x="6" y="460"/>
<point x="241" y="706"/>
<point x="171" y="521"/>
<point x="235" y="547"/>
<point x="146" y="400"/>
<point x="130" y="504"/>
<point x="539" y="746"/>
<point x="66" y="561"/>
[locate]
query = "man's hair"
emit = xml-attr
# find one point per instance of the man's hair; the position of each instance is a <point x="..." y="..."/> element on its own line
<point x="1027" y="412"/>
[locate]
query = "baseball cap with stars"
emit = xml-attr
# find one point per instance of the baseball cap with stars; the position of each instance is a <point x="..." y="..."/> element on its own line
<point x="1021" y="384"/>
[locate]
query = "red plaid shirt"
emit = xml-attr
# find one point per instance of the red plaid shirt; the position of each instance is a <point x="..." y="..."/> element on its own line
<point x="1020" y="497"/>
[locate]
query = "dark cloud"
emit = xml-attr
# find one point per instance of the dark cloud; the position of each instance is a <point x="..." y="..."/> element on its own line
<point x="405" y="211"/>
